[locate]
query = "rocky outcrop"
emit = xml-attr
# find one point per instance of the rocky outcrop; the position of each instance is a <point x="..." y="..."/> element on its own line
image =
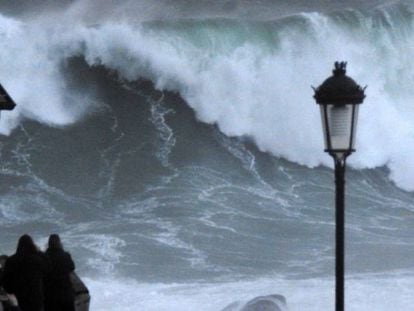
<point x="261" y="303"/>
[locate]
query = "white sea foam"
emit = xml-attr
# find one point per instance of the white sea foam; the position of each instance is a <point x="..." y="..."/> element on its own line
<point x="251" y="79"/>
<point x="30" y="73"/>
<point x="381" y="293"/>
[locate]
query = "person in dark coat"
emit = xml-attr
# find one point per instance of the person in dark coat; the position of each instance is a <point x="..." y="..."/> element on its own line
<point x="59" y="292"/>
<point x="24" y="275"/>
<point x="3" y="259"/>
<point x="8" y="302"/>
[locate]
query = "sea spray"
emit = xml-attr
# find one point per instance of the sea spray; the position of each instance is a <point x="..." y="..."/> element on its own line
<point x="251" y="78"/>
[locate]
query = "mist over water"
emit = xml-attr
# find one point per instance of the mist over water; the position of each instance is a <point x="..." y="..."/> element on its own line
<point x="178" y="151"/>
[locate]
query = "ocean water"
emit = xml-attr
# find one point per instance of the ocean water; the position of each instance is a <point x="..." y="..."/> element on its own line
<point x="177" y="149"/>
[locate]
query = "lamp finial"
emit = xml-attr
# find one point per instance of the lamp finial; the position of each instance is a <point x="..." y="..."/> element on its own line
<point x="340" y="68"/>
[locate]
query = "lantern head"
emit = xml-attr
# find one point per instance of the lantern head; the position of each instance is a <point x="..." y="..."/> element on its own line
<point x="339" y="97"/>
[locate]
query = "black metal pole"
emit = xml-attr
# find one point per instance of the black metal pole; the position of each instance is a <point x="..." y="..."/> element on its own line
<point x="340" y="233"/>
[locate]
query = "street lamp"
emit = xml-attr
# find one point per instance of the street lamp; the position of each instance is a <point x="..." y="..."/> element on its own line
<point x="339" y="97"/>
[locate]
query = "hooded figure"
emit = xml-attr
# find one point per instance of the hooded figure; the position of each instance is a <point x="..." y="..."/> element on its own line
<point x="24" y="275"/>
<point x="59" y="294"/>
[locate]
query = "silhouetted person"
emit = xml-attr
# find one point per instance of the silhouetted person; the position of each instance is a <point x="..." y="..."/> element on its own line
<point x="7" y="301"/>
<point x="59" y="293"/>
<point x="3" y="259"/>
<point x="24" y="273"/>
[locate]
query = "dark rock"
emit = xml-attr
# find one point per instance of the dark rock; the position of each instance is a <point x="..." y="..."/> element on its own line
<point x="261" y="303"/>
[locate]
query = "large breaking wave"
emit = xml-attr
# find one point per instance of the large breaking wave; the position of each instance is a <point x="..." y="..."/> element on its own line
<point x="250" y="78"/>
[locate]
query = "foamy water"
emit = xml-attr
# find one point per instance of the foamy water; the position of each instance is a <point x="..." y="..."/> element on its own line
<point x="362" y="293"/>
<point x="250" y="78"/>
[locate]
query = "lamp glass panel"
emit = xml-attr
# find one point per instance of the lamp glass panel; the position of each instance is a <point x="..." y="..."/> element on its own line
<point x="324" y="126"/>
<point x="355" y="116"/>
<point x="340" y="126"/>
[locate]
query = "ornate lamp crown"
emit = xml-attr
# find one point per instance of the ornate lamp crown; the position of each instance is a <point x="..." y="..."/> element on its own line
<point x="339" y="89"/>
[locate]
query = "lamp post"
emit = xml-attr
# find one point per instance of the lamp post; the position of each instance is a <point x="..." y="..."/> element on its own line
<point x="339" y="97"/>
